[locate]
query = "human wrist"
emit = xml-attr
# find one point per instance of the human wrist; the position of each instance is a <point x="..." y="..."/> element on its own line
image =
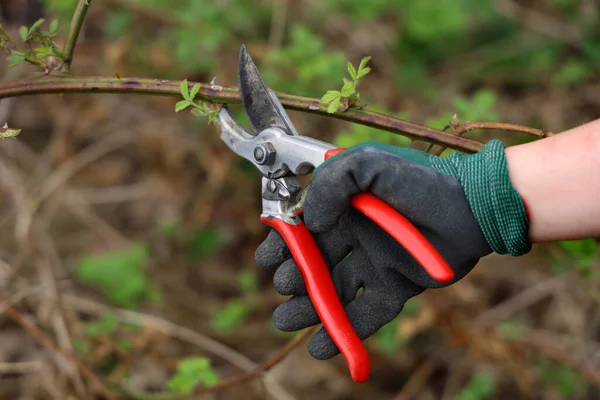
<point x="558" y="179"/>
<point x="495" y="203"/>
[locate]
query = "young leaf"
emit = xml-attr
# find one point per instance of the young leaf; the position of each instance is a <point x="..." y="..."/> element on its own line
<point x="330" y="96"/>
<point x="195" y="91"/>
<point x="182" y="105"/>
<point x="362" y="72"/>
<point x="334" y="105"/>
<point x="6" y="132"/>
<point x="183" y="88"/>
<point x="16" y="58"/>
<point x="23" y="32"/>
<point x="54" y="26"/>
<point x="363" y="63"/>
<point x="35" y="26"/>
<point x="351" y="71"/>
<point x="349" y="88"/>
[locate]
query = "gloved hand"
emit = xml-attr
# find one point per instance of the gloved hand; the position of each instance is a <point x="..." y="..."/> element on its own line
<point x="464" y="205"/>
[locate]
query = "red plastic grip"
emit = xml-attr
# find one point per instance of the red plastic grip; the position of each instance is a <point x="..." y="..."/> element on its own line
<point x="402" y="230"/>
<point x="323" y="295"/>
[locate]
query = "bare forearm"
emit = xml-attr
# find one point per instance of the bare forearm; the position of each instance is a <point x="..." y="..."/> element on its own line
<point x="559" y="180"/>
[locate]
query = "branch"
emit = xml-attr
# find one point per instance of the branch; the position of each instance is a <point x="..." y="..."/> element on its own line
<point x="73" y="35"/>
<point x="233" y="381"/>
<point x="223" y="94"/>
<point x="49" y="344"/>
<point x="458" y="129"/>
<point x="471" y="126"/>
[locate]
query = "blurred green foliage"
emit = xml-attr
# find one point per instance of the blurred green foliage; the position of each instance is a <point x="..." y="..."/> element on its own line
<point x="388" y="339"/>
<point x="103" y="326"/>
<point x="203" y="242"/>
<point x="579" y="255"/>
<point x="120" y="274"/>
<point x="481" y="387"/>
<point x="568" y="383"/>
<point x="191" y="372"/>
<point x="304" y="65"/>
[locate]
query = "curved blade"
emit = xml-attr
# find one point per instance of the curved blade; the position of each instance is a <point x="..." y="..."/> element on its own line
<point x="263" y="108"/>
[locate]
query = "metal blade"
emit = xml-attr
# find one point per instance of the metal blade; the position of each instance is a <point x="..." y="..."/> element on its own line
<point x="260" y="107"/>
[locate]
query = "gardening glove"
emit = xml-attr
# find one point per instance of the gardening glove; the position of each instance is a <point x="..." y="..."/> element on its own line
<point x="465" y="205"/>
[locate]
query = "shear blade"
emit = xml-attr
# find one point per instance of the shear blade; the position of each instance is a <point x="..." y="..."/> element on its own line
<point x="258" y="104"/>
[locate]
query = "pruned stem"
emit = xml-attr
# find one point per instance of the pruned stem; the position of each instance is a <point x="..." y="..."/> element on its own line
<point x="73" y="35"/>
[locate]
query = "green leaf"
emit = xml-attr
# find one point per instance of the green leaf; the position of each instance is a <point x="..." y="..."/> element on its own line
<point x="54" y="26"/>
<point x="183" y="89"/>
<point x="16" y="58"/>
<point x="195" y="91"/>
<point x="203" y="242"/>
<point x="23" y="32"/>
<point x="351" y="70"/>
<point x="330" y="96"/>
<point x="35" y="25"/>
<point x="334" y="105"/>
<point x="198" y="112"/>
<point x="247" y="281"/>
<point x="362" y="72"/>
<point x="191" y="372"/>
<point x="230" y="316"/>
<point x="348" y="89"/>
<point x="6" y="132"/>
<point x="363" y="64"/>
<point x="182" y="105"/>
<point x="119" y="273"/>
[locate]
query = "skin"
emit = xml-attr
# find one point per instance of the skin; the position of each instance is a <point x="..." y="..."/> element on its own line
<point x="559" y="180"/>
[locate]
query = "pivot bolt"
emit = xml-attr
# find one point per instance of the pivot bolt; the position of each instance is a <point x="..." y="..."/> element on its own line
<point x="265" y="154"/>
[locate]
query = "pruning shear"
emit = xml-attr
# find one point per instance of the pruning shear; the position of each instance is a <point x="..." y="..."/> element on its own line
<point x="281" y="154"/>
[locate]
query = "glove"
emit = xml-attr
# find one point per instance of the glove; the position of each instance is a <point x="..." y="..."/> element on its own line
<point x="464" y="205"/>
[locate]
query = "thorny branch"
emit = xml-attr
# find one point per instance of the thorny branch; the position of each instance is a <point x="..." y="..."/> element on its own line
<point x="73" y="35"/>
<point x="224" y="95"/>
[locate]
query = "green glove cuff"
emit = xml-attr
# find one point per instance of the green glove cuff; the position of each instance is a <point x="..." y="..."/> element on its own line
<point x="495" y="203"/>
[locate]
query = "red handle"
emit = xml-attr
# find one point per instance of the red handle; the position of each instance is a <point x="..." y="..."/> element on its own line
<point x="323" y="295"/>
<point x="403" y="231"/>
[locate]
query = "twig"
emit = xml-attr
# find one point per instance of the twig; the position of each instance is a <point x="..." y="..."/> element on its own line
<point x="73" y="35"/>
<point x="24" y="367"/>
<point x="278" y="22"/>
<point x="459" y="129"/>
<point x="416" y="380"/>
<point x="224" y="95"/>
<point x="583" y="356"/>
<point x="66" y="171"/>
<point x="169" y="328"/>
<point x="539" y="23"/>
<point x="471" y="126"/>
<point x="519" y="302"/>
<point x="236" y="380"/>
<point x="49" y="344"/>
